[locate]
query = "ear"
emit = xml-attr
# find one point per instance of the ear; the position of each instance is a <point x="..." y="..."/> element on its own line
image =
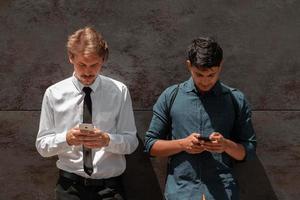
<point x="188" y="64"/>
<point x="71" y="58"/>
<point x="221" y="65"/>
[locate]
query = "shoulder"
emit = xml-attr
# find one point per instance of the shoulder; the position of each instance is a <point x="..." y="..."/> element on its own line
<point x="171" y="89"/>
<point x="168" y="95"/>
<point x="239" y="95"/>
<point x="112" y="85"/>
<point x="60" y="87"/>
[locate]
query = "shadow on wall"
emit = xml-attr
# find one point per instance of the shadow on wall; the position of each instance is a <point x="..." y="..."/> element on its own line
<point x="253" y="181"/>
<point x="144" y="178"/>
<point x="139" y="179"/>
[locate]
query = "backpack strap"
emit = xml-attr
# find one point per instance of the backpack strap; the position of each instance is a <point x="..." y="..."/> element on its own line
<point x="237" y="113"/>
<point x="169" y="130"/>
<point x="173" y="98"/>
<point x="235" y="104"/>
<point x="174" y="94"/>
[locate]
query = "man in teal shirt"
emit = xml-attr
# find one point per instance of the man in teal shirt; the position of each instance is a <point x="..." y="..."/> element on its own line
<point x="203" y="126"/>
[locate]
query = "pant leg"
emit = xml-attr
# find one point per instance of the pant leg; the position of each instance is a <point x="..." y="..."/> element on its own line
<point x="66" y="190"/>
<point x="112" y="191"/>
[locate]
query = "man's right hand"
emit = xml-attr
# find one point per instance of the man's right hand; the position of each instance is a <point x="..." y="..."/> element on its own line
<point x="75" y="136"/>
<point x="191" y="144"/>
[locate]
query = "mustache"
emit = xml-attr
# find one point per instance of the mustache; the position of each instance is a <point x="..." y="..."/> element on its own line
<point x="87" y="76"/>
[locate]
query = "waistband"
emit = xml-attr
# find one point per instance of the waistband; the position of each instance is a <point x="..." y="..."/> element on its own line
<point x="109" y="182"/>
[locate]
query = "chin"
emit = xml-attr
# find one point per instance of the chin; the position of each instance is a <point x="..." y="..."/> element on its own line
<point x="205" y="89"/>
<point x="89" y="83"/>
<point x="84" y="82"/>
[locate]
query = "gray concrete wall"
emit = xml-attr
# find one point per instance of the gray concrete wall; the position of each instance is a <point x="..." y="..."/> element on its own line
<point x="147" y="40"/>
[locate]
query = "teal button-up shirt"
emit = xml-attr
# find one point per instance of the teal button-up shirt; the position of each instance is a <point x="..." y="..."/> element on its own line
<point x="222" y="109"/>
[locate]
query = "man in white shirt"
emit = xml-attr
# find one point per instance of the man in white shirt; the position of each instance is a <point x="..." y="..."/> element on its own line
<point x="113" y="134"/>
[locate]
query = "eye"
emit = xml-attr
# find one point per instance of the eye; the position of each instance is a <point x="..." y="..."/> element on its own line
<point x="81" y="65"/>
<point x="94" y="65"/>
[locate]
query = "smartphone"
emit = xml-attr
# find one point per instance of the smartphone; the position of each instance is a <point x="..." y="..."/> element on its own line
<point x="86" y="127"/>
<point x="204" y="138"/>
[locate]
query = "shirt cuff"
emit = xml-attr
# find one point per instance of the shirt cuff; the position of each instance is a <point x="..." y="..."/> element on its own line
<point x="121" y="144"/>
<point x="61" y="141"/>
<point x="148" y="146"/>
<point x="250" y="152"/>
<point x="114" y="140"/>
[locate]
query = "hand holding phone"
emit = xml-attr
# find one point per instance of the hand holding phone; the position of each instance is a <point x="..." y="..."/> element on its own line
<point x="93" y="137"/>
<point x="74" y="135"/>
<point x="204" y="138"/>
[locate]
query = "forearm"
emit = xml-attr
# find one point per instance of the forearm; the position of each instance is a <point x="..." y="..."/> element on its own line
<point x="122" y="143"/>
<point x="235" y="150"/>
<point x="166" y="148"/>
<point x="52" y="144"/>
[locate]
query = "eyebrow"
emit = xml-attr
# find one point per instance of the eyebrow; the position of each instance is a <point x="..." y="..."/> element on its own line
<point x="200" y="74"/>
<point x="81" y="63"/>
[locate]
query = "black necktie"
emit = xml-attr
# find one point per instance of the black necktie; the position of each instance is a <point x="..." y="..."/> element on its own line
<point x="87" y="118"/>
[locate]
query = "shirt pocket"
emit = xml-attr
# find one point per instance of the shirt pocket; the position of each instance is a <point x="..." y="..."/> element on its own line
<point x="105" y="121"/>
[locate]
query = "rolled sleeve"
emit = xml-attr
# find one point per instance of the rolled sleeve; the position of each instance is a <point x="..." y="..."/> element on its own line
<point x="159" y="127"/>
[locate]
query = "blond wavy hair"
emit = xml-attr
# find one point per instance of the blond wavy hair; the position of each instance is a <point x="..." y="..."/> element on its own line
<point x="87" y="41"/>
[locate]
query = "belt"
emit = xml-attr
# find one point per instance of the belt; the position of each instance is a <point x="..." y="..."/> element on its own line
<point x="109" y="182"/>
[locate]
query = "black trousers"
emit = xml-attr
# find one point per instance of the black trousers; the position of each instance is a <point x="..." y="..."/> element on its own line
<point x="77" y="188"/>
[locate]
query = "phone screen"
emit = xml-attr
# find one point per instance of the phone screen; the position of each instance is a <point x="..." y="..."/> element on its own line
<point x="204" y="138"/>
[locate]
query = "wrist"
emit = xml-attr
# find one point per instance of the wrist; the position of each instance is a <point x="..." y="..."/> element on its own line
<point x="181" y="144"/>
<point x="107" y="139"/>
<point x="226" y="143"/>
<point x="68" y="140"/>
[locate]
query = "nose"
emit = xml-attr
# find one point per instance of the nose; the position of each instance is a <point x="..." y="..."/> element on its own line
<point x="206" y="82"/>
<point x="88" y="71"/>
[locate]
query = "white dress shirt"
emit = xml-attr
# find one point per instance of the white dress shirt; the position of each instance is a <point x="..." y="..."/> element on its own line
<point x="62" y="109"/>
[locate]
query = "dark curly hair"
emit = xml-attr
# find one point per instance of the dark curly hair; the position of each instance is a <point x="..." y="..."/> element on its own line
<point x="204" y="52"/>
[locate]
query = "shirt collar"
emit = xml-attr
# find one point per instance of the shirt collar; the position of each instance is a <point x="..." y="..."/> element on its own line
<point x="190" y="87"/>
<point x="79" y="86"/>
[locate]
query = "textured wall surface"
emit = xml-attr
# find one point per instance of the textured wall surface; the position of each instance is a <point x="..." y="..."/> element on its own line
<point x="147" y="41"/>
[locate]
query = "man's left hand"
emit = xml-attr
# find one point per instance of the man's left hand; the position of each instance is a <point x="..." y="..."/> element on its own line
<point x="218" y="143"/>
<point x="96" y="139"/>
